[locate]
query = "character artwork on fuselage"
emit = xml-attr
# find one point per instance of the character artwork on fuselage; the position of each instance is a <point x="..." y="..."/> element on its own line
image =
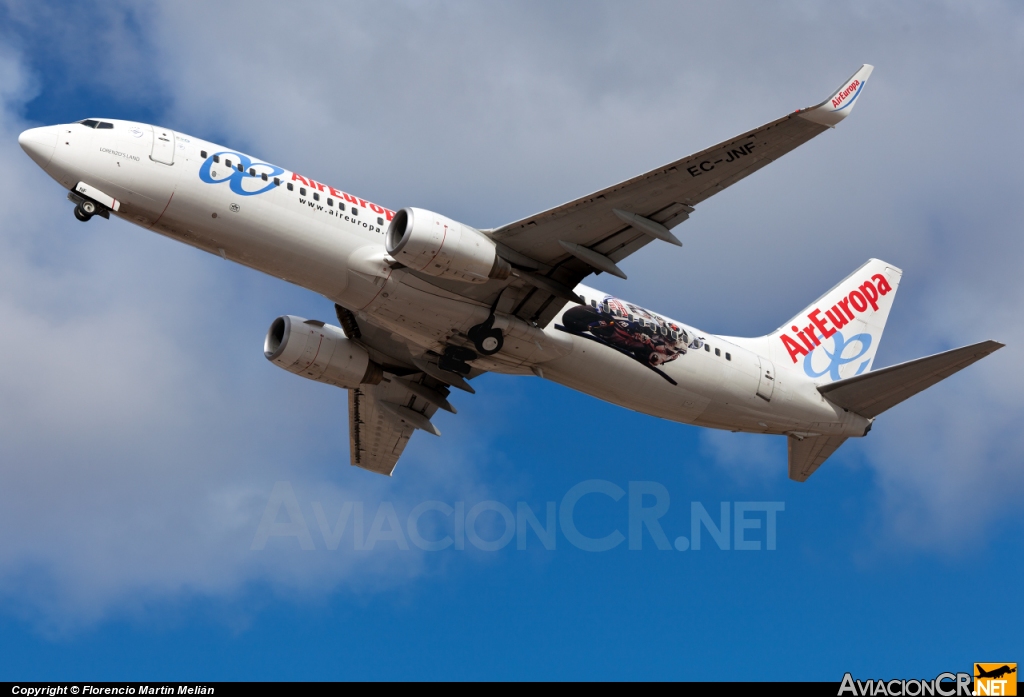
<point x="644" y="336"/>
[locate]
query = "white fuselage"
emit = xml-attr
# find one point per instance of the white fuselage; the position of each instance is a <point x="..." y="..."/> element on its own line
<point x="162" y="181"/>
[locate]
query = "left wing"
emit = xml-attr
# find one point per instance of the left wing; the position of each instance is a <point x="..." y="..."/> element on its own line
<point x="382" y="418"/>
<point x="553" y="251"/>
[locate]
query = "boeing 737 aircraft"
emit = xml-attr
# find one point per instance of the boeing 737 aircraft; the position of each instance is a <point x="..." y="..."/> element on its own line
<point x="426" y="303"/>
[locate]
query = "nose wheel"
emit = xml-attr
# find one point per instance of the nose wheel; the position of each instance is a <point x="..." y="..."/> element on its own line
<point x="85" y="210"/>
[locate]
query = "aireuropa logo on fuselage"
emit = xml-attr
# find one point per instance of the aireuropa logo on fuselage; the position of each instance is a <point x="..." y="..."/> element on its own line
<point x="246" y="178"/>
<point x="249" y="178"/>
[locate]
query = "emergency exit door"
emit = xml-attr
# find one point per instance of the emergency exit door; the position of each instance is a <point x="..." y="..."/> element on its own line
<point x="766" y="383"/>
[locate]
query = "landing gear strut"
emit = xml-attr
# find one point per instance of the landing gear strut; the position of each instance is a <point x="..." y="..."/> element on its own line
<point x="487" y="340"/>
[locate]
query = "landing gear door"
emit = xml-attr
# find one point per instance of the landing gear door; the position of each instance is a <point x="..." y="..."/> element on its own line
<point x="163" y="146"/>
<point x="766" y="382"/>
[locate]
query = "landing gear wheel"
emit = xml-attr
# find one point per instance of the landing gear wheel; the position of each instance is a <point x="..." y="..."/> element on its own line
<point x="490" y="343"/>
<point x="485" y="338"/>
<point x="88" y="207"/>
<point x="82" y="215"/>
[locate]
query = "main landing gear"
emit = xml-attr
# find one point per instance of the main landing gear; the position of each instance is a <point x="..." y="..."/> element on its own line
<point x="486" y="338"/>
<point x="456" y="360"/>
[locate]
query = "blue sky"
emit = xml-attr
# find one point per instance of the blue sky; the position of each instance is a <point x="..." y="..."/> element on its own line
<point x="143" y="432"/>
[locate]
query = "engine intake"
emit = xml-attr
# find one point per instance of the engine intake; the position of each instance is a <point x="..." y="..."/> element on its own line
<point x="319" y="352"/>
<point x="435" y="245"/>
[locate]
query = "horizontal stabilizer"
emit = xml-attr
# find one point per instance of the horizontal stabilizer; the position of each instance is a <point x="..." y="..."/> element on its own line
<point x="806" y="455"/>
<point x="872" y="393"/>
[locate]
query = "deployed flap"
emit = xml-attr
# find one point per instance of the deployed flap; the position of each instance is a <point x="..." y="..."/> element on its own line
<point x="872" y="393"/>
<point x="382" y="418"/>
<point x="619" y="220"/>
<point x="805" y="456"/>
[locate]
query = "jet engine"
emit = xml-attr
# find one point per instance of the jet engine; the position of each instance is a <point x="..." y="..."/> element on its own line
<point x="320" y="352"/>
<point x="430" y="243"/>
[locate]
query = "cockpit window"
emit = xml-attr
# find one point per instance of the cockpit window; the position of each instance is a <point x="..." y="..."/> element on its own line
<point x="104" y="124"/>
<point x="91" y="123"/>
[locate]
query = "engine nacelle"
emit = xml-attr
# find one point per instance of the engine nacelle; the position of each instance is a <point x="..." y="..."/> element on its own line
<point x="320" y="352"/>
<point x="428" y="242"/>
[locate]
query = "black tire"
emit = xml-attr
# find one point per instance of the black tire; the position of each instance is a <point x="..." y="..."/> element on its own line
<point x="88" y="207"/>
<point x="490" y="343"/>
<point x="82" y="215"/>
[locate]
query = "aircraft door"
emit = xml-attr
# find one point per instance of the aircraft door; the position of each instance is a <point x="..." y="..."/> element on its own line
<point x="766" y="382"/>
<point x="163" y="146"/>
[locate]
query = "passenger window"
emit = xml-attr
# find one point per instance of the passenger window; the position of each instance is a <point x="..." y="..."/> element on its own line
<point x="216" y="158"/>
<point x="330" y="201"/>
<point x="380" y="221"/>
<point x="728" y="356"/>
<point x="240" y="167"/>
<point x="707" y="348"/>
<point x="202" y="154"/>
<point x="718" y="352"/>
<point x="252" y="171"/>
<point x="316" y="196"/>
<point x="302" y="191"/>
<point x="264" y="176"/>
<point x="291" y="187"/>
<point x="355" y="211"/>
<point x="341" y="206"/>
<point x="227" y="163"/>
<point x="277" y="182"/>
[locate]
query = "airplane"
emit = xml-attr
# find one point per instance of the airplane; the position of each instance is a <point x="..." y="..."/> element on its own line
<point x="995" y="673"/>
<point x="425" y="303"/>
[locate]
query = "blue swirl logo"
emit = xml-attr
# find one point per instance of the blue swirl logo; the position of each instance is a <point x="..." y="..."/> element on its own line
<point x="244" y="175"/>
<point x="840" y="356"/>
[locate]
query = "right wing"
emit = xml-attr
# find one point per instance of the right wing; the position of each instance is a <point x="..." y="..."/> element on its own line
<point x="382" y="418"/>
<point x="556" y="249"/>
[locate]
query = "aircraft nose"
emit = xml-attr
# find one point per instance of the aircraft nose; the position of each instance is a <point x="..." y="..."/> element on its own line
<point x="39" y="144"/>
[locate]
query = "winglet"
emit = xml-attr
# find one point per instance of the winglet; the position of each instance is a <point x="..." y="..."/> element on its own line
<point x="839" y="105"/>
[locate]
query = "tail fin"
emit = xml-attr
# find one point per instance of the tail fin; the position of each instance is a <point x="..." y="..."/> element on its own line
<point x="836" y="336"/>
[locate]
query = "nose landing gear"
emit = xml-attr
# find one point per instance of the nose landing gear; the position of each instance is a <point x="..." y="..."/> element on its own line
<point x="85" y="210"/>
<point x="87" y="203"/>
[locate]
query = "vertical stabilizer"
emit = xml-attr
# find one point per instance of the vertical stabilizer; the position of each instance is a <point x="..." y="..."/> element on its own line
<point x="837" y="335"/>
